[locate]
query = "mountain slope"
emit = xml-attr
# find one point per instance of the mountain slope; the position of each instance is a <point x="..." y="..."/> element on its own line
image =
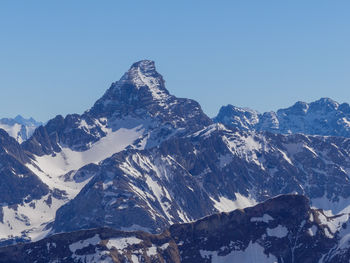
<point x="213" y="170"/>
<point x="323" y="117"/>
<point x="135" y="112"/>
<point x="282" y="229"/>
<point x="139" y="100"/>
<point x="18" y="186"/>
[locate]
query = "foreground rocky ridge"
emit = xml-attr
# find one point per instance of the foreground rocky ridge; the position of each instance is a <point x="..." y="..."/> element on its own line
<point x="282" y="229"/>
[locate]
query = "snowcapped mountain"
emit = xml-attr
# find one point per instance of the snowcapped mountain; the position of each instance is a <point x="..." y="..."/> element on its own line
<point x="323" y="117"/>
<point x="19" y="128"/>
<point x="138" y="106"/>
<point x="143" y="159"/>
<point x="282" y="229"/>
<point x="136" y="112"/>
<point x="212" y="170"/>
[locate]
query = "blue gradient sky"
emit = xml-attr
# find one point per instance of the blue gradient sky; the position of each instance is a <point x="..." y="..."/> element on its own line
<point x="58" y="57"/>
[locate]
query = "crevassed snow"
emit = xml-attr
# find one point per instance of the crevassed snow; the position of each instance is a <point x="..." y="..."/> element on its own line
<point x="122" y="242"/>
<point x="254" y="253"/>
<point x="265" y="218"/>
<point x="279" y="231"/>
<point x="225" y="205"/>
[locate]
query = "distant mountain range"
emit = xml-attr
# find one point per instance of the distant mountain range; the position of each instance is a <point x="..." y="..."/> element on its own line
<point x="141" y="159"/>
<point x="19" y="128"/>
<point x="323" y="117"/>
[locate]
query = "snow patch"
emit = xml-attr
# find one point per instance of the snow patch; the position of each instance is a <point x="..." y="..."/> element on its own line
<point x="122" y="242"/>
<point x="279" y="231"/>
<point x="152" y="251"/>
<point x="266" y="218"/>
<point x="30" y="218"/>
<point x="254" y="253"/>
<point x="312" y="230"/>
<point x="85" y="243"/>
<point x="226" y="205"/>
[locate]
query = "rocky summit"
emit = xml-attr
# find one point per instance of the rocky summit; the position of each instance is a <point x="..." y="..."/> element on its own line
<point x="144" y="176"/>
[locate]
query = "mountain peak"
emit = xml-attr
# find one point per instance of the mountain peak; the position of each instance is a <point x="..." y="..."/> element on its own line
<point x="143" y="74"/>
<point x="138" y="88"/>
<point x="299" y="108"/>
<point x="145" y="66"/>
<point x="327" y="102"/>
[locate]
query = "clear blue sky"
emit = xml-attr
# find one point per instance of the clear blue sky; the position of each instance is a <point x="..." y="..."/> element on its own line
<point x="58" y="57"/>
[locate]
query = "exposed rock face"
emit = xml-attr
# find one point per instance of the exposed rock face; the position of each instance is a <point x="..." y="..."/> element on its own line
<point x="322" y="117"/>
<point x="17" y="182"/>
<point x="282" y="229"/>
